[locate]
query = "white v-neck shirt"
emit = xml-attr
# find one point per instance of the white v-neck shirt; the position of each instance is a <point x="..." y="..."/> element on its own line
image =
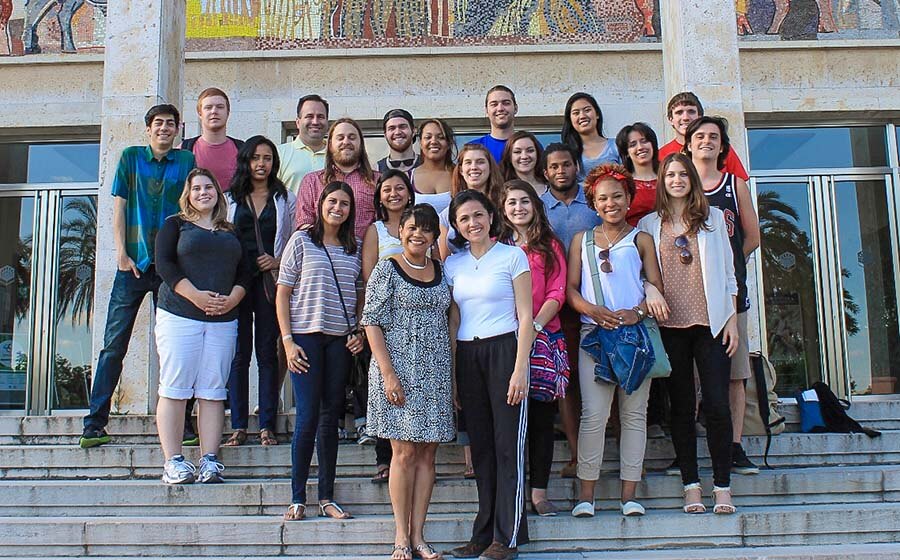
<point x="483" y="290"/>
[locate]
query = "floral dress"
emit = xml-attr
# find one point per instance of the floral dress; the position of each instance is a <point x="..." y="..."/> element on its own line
<point x="413" y="316"/>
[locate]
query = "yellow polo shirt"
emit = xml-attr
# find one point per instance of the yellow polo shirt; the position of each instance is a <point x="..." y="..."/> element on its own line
<point x="297" y="159"/>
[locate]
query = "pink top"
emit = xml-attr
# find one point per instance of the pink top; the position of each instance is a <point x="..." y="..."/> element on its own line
<point x="221" y="159"/>
<point x="363" y="195"/>
<point x="544" y="287"/>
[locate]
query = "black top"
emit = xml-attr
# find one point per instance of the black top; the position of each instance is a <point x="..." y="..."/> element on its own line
<point x="243" y="223"/>
<point x="211" y="260"/>
<point x="438" y="273"/>
<point x="724" y="197"/>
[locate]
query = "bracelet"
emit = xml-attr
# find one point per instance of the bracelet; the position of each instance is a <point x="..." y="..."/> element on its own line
<point x="640" y="312"/>
<point x="287" y="337"/>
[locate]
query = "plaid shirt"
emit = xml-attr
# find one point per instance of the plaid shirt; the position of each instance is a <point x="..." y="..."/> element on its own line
<point x="151" y="189"/>
<point x="363" y="195"/>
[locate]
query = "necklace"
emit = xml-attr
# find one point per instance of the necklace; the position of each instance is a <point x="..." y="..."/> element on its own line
<point x="412" y="265"/>
<point x="611" y="243"/>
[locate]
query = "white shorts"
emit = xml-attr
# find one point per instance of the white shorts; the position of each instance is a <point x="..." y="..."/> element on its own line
<point x="194" y="356"/>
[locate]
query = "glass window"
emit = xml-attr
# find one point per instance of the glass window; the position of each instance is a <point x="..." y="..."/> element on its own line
<point x="63" y="163"/>
<point x="824" y="147"/>
<point x="21" y="162"/>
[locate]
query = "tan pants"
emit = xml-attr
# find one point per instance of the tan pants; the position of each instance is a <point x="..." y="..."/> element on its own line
<point x="596" y="402"/>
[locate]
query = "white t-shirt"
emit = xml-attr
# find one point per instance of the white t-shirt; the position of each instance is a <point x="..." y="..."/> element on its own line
<point x="483" y="290"/>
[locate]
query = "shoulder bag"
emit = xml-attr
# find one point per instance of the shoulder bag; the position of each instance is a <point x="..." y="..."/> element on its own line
<point x="661" y="366"/>
<point x="269" y="277"/>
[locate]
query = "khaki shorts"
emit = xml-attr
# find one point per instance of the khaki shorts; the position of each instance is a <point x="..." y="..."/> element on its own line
<point x="740" y="362"/>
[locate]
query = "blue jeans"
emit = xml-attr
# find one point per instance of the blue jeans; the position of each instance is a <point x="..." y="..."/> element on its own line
<point x="127" y="296"/>
<point x="255" y="315"/>
<point x="319" y="398"/>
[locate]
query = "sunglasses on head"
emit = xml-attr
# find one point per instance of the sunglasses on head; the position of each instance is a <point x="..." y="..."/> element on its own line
<point x="685" y="256"/>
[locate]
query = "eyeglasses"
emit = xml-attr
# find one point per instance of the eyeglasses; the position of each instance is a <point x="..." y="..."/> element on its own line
<point x="605" y="265"/>
<point x="685" y="256"/>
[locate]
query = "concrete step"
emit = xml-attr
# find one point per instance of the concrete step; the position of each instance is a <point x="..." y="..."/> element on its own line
<point x="122" y="498"/>
<point x="817" y="525"/>
<point x="878" y="415"/>
<point x="60" y="429"/>
<point x="249" y="461"/>
<point x="830" y="552"/>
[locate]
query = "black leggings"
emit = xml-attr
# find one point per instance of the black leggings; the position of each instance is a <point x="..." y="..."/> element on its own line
<point x="684" y="347"/>
<point x="540" y="442"/>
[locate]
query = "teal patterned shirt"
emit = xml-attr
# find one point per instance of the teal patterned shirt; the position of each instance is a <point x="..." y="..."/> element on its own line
<point x="151" y="189"/>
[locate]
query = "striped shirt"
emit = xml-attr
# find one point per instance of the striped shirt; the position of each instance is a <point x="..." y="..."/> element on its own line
<point x="315" y="302"/>
<point x="151" y="189"/>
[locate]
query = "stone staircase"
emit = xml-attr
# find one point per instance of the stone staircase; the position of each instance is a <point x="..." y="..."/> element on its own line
<point x="829" y="496"/>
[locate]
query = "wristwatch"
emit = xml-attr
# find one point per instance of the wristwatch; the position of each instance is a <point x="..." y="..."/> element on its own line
<point x="640" y="312"/>
<point x="537" y="326"/>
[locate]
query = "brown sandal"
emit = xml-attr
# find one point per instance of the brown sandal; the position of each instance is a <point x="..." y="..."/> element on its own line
<point x="267" y="437"/>
<point x="238" y="437"/>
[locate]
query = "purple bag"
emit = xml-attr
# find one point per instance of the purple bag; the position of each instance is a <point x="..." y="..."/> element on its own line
<point x="549" y="367"/>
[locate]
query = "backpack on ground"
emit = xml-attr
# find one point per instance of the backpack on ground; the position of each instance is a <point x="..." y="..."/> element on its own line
<point x="762" y="415"/>
<point x="822" y="412"/>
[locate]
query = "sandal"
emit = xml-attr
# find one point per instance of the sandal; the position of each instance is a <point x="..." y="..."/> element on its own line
<point x="695" y="506"/>
<point x="238" y="437"/>
<point x="382" y="476"/>
<point x="267" y="437"/>
<point x="469" y="473"/>
<point x="295" y="512"/>
<point x="401" y="552"/>
<point x="426" y="552"/>
<point x="723" y="508"/>
<point x="341" y="514"/>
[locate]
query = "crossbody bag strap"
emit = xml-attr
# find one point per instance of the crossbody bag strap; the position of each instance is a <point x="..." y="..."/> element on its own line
<point x="588" y="243"/>
<point x="337" y="283"/>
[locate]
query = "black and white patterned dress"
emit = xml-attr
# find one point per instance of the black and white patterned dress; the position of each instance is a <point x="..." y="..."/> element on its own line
<point x="413" y="316"/>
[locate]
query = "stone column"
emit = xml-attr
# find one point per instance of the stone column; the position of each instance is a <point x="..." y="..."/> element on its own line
<point x="700" y="54"/>
<point x="143" y="67"/>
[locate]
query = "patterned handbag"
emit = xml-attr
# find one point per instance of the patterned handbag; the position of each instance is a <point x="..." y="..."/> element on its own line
<point x="549" y="367"/>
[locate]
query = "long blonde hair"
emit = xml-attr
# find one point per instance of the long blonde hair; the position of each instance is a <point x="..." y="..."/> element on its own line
<point x="190" y="214"/>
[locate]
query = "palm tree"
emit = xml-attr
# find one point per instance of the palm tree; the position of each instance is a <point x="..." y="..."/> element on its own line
<point x="77" y="252"/>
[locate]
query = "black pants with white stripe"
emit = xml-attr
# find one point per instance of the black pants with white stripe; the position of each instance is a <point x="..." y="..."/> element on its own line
<point x="497" y="434"/>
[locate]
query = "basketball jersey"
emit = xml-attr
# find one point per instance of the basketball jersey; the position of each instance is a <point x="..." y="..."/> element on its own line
<point x="724" y="197"/>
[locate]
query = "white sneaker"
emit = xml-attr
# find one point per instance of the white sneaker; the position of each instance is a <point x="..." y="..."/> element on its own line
<point x="210" y="470"/>
<point x="583" y="509"/>
<point x="632" y="509"/>
<point x="178" y="471"/>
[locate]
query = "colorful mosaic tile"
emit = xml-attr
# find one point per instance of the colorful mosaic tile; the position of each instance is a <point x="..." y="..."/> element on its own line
<point x="289" y="24"/>
<point x="818" y="19"/>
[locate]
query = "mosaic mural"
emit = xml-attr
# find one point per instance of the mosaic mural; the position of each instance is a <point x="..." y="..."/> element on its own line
<point x="290" y="24"/>
<point x="69" y="26"/>
<point x="52" y="26"/>
<point x="794" y="20"/>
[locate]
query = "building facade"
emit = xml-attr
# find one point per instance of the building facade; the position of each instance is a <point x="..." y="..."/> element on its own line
<point x="811" y="89"/>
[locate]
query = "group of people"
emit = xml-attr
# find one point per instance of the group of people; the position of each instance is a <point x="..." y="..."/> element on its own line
<point x="475" y="279"/>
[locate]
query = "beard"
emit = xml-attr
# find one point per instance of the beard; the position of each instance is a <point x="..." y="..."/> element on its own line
<point x="346" y="161"/>
<point x="564" y="188"/>
<point x="400" y="148"/>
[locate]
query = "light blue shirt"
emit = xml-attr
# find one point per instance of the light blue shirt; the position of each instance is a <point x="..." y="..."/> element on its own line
<point x="610" y="155"/>
<point x="567" y="220"/>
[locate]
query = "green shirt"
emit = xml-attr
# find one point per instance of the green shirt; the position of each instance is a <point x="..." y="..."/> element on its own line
<point x="151" y="189"/>
<point x="296" y="159"/>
